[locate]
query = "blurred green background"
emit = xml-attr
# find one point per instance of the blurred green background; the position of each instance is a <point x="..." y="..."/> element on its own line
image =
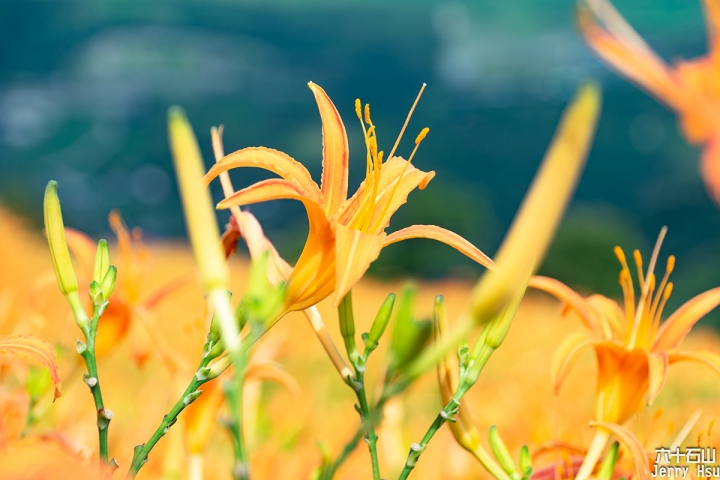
<point x="85" y="86"/>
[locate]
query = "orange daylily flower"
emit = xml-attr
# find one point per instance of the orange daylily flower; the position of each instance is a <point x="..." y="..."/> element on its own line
<point x="690" y="88"/>
<point x="346" y="234"/>
<point x="633" y="347"/>
<point x="132" y="263"/>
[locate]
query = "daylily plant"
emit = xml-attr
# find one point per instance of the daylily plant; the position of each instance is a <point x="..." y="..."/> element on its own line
<point x="133" y="260"/>
<point x="346" y="234"/>
<point x="690" y="88"/>
<point x="633" y="347"/>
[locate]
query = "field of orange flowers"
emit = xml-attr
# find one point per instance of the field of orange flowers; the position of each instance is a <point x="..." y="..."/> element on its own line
<point x="162" y="360"/>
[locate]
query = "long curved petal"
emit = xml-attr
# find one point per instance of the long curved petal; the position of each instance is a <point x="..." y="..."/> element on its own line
<point x="626" y="52"/>
<point x="272" y="189"/>
<point x="675" y="328"/>
<point x="710" y="167"/>
<point x="567" y="295"/>
<point x="32" y="347"/>
<point x="640" y="458"/>
<point x="334" y="183"/>
<point x="657" y="374"/>
<point x="567" y="354"/>
<point x="710" y="358"/>
<point x="313" y="277"/>
<point x="273" y="160"/>
<point x="354" y="252"/>
<point x="441" y="235"/>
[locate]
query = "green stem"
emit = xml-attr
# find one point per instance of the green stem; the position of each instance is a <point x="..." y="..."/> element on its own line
<point x="140" y="455"/>
<point x="234" y="396"/>
<point x="368" y="423"/>
<point x="92" y="380"/>
<point x="347" y="329"/>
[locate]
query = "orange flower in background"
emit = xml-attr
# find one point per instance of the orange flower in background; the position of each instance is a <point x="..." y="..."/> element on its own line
<point x="633" y="348"/>
<point x="690" y="88"/>
<point x="132" y="262"/>
<point x="345" y="235"/>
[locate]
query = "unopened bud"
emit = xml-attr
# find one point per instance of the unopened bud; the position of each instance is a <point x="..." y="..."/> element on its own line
<point x="55" y="231"/>
<point x="102" y="261"/>
<point x="526" y="463"/>
<point x="108" y="281"/>
<point x="408" y="337"/>
<point x="501" y="453"/>
<point x="381" y="322"/>
<point x="191" y="397"/>
<point x="96" y="293"/>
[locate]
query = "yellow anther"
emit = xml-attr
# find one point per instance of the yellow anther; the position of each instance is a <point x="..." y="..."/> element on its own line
<point x="367" y="114"/>
<point x="668" y="290"/>
<point x="699" y="440"/>
<point x="357" y="109"/>
<point x="620" y="255"/>
<point x="380" y="156"/>
<point x="421" y="136"/>
<point x="710" y="427"/>
<point x="638" y="258"/>
<point x="670" y="264"/>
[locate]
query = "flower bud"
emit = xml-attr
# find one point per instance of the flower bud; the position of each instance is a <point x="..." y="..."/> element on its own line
<point x="55" y="231"/>
<point x="408" y="337"/>
<point x="102" y="261"/>
<point x="96" y="294"/>
<point x="108" y="281"/>
<point x="502" y="454"/>
<point x="380" y="323"/>
<point x="526" y="463"/>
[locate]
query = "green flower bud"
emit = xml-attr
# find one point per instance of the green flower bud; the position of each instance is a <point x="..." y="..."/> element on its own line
<point x="499" y="327"/>
<point x="108" y="282"/>
<point x="215" y="334"/>
<point x="347" y="322"/>
<point x="607" y="467"/>
<point x="526" y="463"/>
<point x="102" y="261"/>
<point x="55" y="231"/>
<point x="409" y="337"/>
<point x="502" y="454"/>
<point x="96" y="294"/>
<point x="380" y="323"/>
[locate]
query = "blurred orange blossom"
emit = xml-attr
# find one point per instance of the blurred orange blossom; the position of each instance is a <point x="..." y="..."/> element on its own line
<point x="691" y="87"/>
<point x="633" y="349"/>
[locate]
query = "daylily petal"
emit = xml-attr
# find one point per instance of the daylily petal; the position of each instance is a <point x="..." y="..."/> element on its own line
<point x="32" y="347"/>
<point x="113" y="326"/>
<point x="83" y="248"/>
<point x="657" y="374"/>
<point x="567" y="354"/>
<point x="622" y="381"/>
<point x="640" y="458"/>
<point x="626" y="52"/>
<point x="334" y="183"/>
<point x="388" y="198"/>
<point x="258" y="244"/>
<point x="710" y="167"/>
<point x="354" y="252"/>
<point x="266" y="158"/>
<point x="14" y="409"/>
<point x="710" y="358"/>
<point x="272" y="189"/>
<point x="609" y="312"/>
<point x="567" y="295"/>
<point x="313" y="277"/>
<point x="441" y="235"/>
<point x="674" y="329"/>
